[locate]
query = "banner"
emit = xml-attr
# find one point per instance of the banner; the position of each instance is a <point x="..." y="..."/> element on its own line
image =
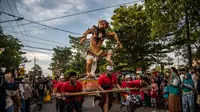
<point x="138" y="70"/>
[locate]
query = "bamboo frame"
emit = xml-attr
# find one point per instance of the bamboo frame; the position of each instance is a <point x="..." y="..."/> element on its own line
<point x="99" y="92"/>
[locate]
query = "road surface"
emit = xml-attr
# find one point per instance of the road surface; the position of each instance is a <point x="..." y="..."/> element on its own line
<point x="50" y="107"/>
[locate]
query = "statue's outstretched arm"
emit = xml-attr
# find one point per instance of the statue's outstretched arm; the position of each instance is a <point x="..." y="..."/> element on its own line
<point x="89" y="31"/>
<point x="114" y="35"/>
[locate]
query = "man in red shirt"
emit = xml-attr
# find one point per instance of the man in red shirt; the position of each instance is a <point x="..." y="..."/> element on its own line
<point x="125" y="95"/>
<point x="57" y="92"/>
<point x="73" y="103"/>
<point x="107" y="81"/>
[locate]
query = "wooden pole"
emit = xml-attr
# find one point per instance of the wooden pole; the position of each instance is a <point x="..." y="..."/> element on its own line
<point x="99" y="92"/>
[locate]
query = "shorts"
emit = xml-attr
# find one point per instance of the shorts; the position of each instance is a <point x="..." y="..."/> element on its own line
<point x="69" y="106"/>
<point x="153" y="100"/>
<point x="136" y="99"/>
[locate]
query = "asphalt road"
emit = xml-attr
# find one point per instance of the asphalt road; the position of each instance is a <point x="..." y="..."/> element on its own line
<point x="88" y="107"/>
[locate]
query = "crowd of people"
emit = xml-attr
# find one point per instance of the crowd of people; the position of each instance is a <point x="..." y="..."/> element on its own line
<point x="15" y="93"/>
<point x="178" y="89"/>
<point x="20" y="94"/>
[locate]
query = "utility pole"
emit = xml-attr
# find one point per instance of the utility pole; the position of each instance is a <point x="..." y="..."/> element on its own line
<point x="34" y="61"/>
<point x="189" y="52"/>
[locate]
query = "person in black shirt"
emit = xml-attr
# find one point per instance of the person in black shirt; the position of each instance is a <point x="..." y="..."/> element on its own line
<point x="40" y="91"/>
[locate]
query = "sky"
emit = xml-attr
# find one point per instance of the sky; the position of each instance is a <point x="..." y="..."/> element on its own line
<point x="37" y="10"/>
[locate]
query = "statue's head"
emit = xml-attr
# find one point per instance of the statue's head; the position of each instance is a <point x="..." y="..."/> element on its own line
<point x="103" y="24"/>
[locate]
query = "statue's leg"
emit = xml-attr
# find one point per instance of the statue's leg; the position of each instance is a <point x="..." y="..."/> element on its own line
<point x="108" y="55"/>
<point x="93" y="68"/>
<point x="89" y="64"/>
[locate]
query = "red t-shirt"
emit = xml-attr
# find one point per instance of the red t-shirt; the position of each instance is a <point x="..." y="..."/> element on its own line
<point x="67" y="87"/>
<point x="55" y="82"/>
<point x="137" y="84"/>
<point x="124" y="85"/>
<point x="104" y="79"/>
<point x="59" y="86"/>
<point x="55" y="85"/>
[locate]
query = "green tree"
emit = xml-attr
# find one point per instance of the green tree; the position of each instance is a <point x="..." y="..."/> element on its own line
<point x="78" y="62"/>
<point x="36" y="71"/>
<point x="169" y="21"/>
<point x="61" y="59"/>
<point x="12" y="56"/>
<point x="133" y="27"/>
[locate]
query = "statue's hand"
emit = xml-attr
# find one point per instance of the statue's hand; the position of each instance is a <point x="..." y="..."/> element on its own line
<point x="120" y="45"/>
<point x="82" y="40"/>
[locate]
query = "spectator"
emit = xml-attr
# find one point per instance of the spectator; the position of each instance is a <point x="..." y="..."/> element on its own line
<point x="9" y="93"/>
<point x="40" y="91"/>
<point x="27" y="95"/>
<point x="4" y="85"/>
<point x="188" y="95"/>
<point x="182" y="74"/>
<point x="154" y="93"/>
<point x="22" y="92"/>
<point x="174" y="96"/>
<point x="198" y="90"/>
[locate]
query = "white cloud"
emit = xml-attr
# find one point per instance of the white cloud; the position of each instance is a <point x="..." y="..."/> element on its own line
<point x="40" y="56"/>
<point x="45" y="9"/>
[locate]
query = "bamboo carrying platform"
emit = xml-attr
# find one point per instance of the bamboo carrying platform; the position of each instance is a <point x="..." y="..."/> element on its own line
<point x="100" y="92"/>
<point x="89" y="84"/>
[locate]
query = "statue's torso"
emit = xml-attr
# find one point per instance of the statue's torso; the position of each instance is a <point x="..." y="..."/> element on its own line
<point x="96" y="41"/>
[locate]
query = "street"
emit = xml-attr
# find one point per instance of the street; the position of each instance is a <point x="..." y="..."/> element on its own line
<point x="50" y="107"/>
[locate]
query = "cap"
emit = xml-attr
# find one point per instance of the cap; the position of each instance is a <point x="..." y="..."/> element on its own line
<point x="61" y="77"/>
<point x="109" y="68"/>
<point x="127" y="76"/>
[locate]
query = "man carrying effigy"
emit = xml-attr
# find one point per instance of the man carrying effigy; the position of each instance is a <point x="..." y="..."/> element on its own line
<point x="60" y="103"/>
<point x="99" y="33"/>
<point x="73" y="103"/>
<point x="107" y="81"/>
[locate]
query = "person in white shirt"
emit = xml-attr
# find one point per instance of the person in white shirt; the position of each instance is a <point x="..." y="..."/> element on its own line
<point x="183" y="72"/>
<point x="22" y="92"/>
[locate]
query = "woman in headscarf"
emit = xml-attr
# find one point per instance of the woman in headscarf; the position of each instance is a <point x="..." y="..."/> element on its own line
<point x="188" y="94"/>
<point x="174" y="96"/>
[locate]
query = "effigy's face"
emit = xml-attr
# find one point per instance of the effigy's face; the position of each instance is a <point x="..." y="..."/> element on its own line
<point x="73" y="79"/>
<point x="103" y="25"/>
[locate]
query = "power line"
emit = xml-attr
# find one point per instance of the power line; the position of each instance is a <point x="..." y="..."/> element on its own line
<point x="32" y="30"/>
<point x="17" y="22"/>
<point x="18" y="19"/>
<point x="43" y="43"/>
<point x="69" y="15"/>
<point x="43" y="24"/>
<point x="35" y="51"/>
<point x="38" y="38"/>
<point x="36" y="22"/>
<point x="38" y="48"/>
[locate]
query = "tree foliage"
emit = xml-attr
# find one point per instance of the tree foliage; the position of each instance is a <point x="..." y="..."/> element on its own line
<point x="169" y="19"/>
<point x="12" y="56"/>
<point x="133" y="27"/>
<point x="61" y="59"/>
<point x="36" y="71"/>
